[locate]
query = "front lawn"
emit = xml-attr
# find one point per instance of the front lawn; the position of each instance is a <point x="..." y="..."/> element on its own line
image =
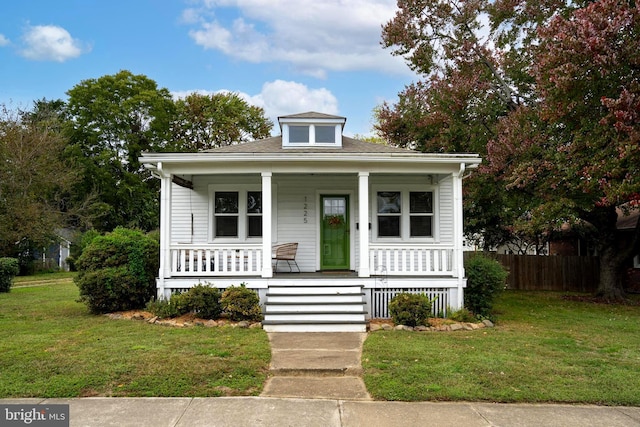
<point x="544" y="349"/>
<point x="51" y="347"/>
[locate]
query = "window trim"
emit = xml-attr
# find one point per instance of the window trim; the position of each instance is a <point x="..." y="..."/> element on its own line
<point x="286" y="135"/>
<point x="243" y="215"/>
<point x="405" y="214"/>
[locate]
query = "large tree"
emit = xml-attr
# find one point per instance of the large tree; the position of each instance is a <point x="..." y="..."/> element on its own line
<point x="578" y="148"/>
<point x="113" y="119"/>
<point x="208" y="121"/>
<point x="466" y="88"/>
<point x="33" y="178"/>
<point x="554" y="85"/>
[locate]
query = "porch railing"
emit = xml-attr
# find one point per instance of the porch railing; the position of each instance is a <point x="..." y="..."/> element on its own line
<point x="396" y="260"/>
<point x="246" y="260"/>
<point x="216" y="260"/>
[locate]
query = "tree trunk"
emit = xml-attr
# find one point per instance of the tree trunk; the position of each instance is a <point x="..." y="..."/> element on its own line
<point x="610" y="286"/>
<point x="604" y="220"/>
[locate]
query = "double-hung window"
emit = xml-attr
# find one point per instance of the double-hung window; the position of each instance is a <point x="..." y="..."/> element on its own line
<point x="254" y="213"/>
<point x="227" y="211"/>
<point x="420" y="214"/>
<point x="405" y="215"/>
<point x="237" y="214"/>
<point x="389" y="213"/>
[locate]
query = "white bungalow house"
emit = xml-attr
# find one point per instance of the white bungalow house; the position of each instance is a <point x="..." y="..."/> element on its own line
<point x="369" y="221"/>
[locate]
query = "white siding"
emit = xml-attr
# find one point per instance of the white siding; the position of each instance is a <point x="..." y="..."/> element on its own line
<point x="195" y="202"/>
<point x="296" y="190"/>
<point x="445" y="207"/>
<point x="294" y="193"/>
<point x="183" y="203"/>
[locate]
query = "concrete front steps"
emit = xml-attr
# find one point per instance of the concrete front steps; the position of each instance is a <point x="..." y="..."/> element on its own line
<point x="315" y="308"/>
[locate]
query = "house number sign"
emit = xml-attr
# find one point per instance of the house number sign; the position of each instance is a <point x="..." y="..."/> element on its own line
<point x="305" y="211"/>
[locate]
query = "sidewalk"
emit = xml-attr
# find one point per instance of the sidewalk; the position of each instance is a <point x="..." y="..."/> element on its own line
<point x="261" y="411"/>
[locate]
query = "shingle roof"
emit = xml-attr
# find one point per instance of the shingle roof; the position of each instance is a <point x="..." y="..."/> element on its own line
<point x="274" y="145"/>
<point x="311" y="115"/>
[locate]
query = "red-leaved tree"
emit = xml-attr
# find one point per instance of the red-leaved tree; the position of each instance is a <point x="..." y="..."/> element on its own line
<point x="577" y="149"/>
<point x="548" y="92"/>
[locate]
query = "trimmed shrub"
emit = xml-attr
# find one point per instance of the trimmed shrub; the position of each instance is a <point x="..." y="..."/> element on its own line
<point x="117" y="271"/>
<point x="486" y="279"/>
<point x="462" y="315"/>
<point x="9" y="268"/>
<point x="240" y="303"/>
<point x="78" y="246"/>
<point x="167" y="308"/>
<point x="410" y="309"/>
<point x="203" y="301"/>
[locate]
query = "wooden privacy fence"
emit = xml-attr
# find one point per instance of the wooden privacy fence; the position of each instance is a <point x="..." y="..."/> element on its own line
<point x="551" y="273"/>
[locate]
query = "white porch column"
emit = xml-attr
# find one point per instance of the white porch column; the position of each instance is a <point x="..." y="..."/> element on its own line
<point x="458" y="234"/>
<point x="267" y="270"/>
<point x="165" y="230"/>
<point x="363" y="219"/>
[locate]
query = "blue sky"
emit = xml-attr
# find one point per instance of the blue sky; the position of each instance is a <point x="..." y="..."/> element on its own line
<point x="285" y="56"/>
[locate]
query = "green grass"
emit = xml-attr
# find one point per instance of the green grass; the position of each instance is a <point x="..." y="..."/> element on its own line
<point x="50" y="346"/>
<point x="544" y="349"/>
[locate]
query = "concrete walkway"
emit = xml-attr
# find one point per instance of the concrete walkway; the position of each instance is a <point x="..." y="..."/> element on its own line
<point x="263" y="411"/>
<point x="316" y="366"/>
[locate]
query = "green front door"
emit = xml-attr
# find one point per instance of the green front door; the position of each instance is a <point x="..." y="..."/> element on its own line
<point x="334" y="233"/>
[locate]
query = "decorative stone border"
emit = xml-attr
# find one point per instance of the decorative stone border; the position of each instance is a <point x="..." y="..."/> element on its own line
<point x="455" y="326"/>
<point x="182" y="322"/>
<point x="377" y="325"/>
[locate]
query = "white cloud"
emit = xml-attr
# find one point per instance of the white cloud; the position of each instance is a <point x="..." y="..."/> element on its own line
<point x="50" y="43"/>
<point x="285" y="97"/>
<point x="190" y="16"/>
<point x="281" y="97"/>
<point x="314" y="36"/>
<point x="3" y="40"/>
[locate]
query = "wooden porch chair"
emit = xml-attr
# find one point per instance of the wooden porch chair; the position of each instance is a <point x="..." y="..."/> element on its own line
<point x="285" y="252"/>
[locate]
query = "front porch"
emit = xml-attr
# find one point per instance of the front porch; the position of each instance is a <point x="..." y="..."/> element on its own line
<point x="417" y="270"/>
<point x="320" y="300"/>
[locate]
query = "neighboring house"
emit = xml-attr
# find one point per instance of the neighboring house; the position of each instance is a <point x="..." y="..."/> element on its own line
<point x="55" y="255"/>
<point x="568" y="242"/>
<point x="369" y="221"/>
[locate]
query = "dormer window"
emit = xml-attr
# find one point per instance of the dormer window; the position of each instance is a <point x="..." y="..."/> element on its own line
<point x="325" y="134"/>
<point x="311" y="130"/>
<point x="299" y="134"/>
